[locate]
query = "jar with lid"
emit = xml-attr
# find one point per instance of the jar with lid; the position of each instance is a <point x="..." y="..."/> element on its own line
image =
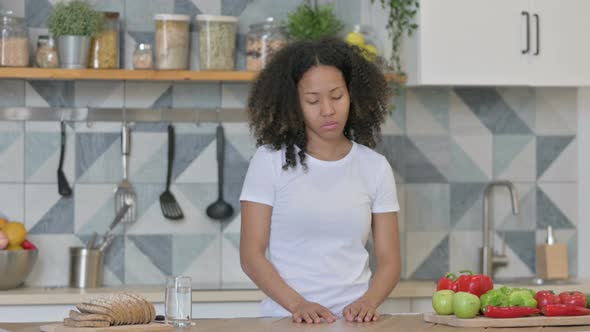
<point x="104" y="49"/>
<point x="46" y="56"/>
<point x="264" y="40"/>
<point x="217" y="42"/>
<point x="14" y="41"/>
<point x="172" y="41"/>
<point x="142" y="57"/>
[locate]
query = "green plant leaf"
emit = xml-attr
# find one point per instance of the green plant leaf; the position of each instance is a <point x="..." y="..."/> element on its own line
<point x="309" y="22"/>
<point x="77" y="18"/>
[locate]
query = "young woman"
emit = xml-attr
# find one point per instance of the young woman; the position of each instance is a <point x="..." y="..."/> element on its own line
<point x="315" y="189"/>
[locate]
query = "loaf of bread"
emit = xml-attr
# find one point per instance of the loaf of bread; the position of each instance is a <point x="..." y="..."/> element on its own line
<point x="112" y="309"/>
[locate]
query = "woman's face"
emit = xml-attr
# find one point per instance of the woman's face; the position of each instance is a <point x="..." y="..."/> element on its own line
<point x="325" y="102"/>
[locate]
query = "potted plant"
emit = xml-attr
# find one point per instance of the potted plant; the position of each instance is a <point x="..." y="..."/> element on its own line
<point x="74" y="24"/>
<point x="400" y="21"/>
<point x="313" y="22"/>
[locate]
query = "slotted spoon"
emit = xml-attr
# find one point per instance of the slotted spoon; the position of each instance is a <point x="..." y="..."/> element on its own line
<point x="125" y="193"/>
<point x="169" y="205"/>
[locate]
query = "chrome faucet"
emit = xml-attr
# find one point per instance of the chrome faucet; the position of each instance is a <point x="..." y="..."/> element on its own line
<point x="489" y="259"/>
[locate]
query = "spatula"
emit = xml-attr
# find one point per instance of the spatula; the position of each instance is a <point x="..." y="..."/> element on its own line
<point x="63" y="187"/>
<point x="169" y="205"/>
<point x="125" y="193"/>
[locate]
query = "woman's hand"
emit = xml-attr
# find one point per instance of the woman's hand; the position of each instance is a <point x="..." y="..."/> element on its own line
<point x="360" y="311"/>
<point x="311" y="312"/>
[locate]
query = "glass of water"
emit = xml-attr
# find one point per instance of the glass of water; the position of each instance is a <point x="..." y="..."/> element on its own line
<point x="178" y="304"/>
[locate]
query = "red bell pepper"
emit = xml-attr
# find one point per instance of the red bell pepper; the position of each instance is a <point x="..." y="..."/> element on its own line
<point x="546" y="297"/>
<point x="509" y="312"/>
<point x="446" y="282"/>
<point x="575" y="298"/>
<point x="477" y="284"/>
<point x="565" y="310"/>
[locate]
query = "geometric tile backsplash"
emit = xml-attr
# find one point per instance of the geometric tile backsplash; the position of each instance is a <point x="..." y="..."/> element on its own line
<point x="441" y="174"/>
<point x="444" y="143"/>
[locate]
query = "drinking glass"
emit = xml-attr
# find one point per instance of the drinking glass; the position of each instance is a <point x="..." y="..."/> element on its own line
<point x="178" y="303"/>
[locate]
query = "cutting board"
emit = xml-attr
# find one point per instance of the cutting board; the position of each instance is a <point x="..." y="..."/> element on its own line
<point x="506" y="322"/>
<point x="119" y="328"/>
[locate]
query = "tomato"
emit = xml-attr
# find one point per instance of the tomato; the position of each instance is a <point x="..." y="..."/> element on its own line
<point x="546" y="297"/>
<point x="575" y="298"/>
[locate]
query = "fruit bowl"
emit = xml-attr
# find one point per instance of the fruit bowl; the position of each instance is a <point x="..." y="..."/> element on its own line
<point x="15" y="267"/>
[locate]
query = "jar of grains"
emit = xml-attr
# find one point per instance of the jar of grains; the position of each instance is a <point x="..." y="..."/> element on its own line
<point x="172" y="41"/>
<point x="264" y="40"/>
<point x="14" y="41"/>
<point x="104" y="50"/>
<point x="217" y="42"/>
<point x="46" y="55"/>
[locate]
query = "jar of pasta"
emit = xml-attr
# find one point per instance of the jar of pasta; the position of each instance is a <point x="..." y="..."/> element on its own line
<point x="14" y="41"/>
<point x="217" y="42"/>
<point x="264" y="40"/>
<point x="172" y="41"/>
<point x="104" y="50"/>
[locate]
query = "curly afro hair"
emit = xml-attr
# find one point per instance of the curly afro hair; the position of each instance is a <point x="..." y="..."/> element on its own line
<point x="274" y="111"/>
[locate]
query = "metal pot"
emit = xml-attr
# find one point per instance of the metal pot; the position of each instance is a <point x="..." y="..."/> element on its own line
<point x="73" y="51"/>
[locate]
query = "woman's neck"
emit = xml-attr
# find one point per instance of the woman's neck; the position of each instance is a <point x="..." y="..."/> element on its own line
<point x="328" y="150"/>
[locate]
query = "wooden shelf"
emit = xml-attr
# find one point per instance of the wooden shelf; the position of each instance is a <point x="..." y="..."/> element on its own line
<point x="139" y="75"/>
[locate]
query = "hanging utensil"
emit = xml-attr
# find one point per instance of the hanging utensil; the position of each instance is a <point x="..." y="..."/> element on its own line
<point x="125" y="192"/>
<point x="220" y="209"/>
<point x="63" y="187"/>
<point x="169" y="205"/>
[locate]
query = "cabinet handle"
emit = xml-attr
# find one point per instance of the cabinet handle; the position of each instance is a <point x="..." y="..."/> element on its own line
<point x="528" y="32"/>
<point x="537" y="23"/>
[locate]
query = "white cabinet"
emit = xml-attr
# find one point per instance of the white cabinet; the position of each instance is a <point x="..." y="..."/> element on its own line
<point x="500" y="42"/>
<point x="564" y="45"/>
<point x="471" y="42"/>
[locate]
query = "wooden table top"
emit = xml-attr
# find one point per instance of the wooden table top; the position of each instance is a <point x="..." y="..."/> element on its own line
<point x="406" y="323"/>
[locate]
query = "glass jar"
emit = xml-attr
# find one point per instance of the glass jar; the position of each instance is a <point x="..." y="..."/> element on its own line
<point x="142" y="57"/>
<point x="46" y="56"/>
<point x="217" y="42"/>
<point x="172" y="41"/>
<point x="14" y="41"/>
<point x="264" y="40"/>
<point x="104" y="50"/>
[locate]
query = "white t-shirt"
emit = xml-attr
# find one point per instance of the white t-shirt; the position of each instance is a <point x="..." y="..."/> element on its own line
<point x="321" y="221"/>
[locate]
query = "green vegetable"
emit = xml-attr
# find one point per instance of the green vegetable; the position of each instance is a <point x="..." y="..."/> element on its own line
<point x="521" y="298"/>
<point x="508" y="297"/>
<point x="588" y="300"/>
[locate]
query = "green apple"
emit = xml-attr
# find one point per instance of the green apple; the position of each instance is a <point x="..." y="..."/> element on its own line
<point x="442" y="302"/>
<point x="465" y="305"/>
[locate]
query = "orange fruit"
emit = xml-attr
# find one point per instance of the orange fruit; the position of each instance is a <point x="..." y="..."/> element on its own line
<point x="3" y="222"/>
<point x="13" y="248"/>
<point x="15" y="232"/>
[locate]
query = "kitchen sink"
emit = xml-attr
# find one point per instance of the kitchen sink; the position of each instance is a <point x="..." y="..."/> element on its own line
<point x="533" y="281"/>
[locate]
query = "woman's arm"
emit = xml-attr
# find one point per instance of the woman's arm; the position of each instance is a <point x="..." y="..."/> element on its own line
<point x="387" y="252"/>
<point x="254" y="237"/>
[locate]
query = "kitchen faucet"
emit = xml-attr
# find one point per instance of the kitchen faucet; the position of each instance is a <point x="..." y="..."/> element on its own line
<point x="489" y="259"/>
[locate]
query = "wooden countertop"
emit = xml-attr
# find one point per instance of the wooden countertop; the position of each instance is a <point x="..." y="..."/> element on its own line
<point x="406" y="323"/>
<point x="211" y="293"/>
